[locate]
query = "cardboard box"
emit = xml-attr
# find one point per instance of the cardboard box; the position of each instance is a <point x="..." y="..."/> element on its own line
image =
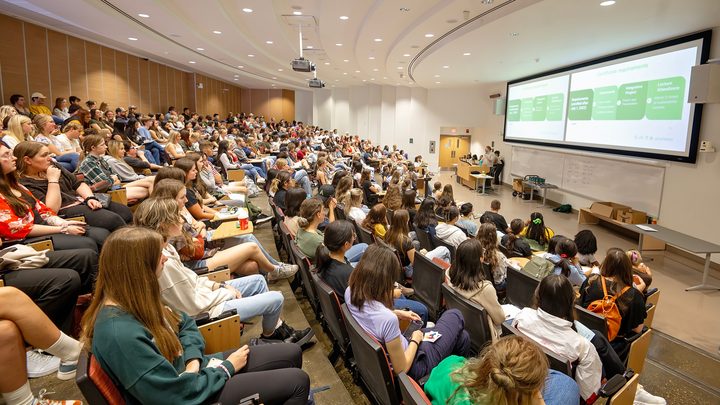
<point x="608" y="209"/>
<point x="632" y="217"/>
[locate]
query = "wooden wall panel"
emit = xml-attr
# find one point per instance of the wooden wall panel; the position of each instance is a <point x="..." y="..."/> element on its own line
<point x="121" y="78"/>
<point x="154" y="87"/>
<point x="59" y="72"/>
<point x="288" y="105"/>
<point x="94" y="76"/>
<point x="79" y="71"/>
<point x="134" y="80"/>
<point x="245" y="102"/>
<point x="275" y="103"/>
<point x="144" y="75"/>
<point x="12" y="59"/>
<point x="109" y="79"/>
<point x="36" y="54"/>
<point x="259" y="102"/>
<point x="162" y="89"/>
<point x="190" y="86"/>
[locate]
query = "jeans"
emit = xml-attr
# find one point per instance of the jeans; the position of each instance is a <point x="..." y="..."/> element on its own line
<point x="560" y="389"/>
<point x="256" y="300"/>
<point x="69" y="161"/>
<point x="250" y="238"/>
<point x="260" y="168"/>
<point x="415" y="306"/>
<point x="301" y="177"/>
<point x="150" y="157"/>
<point x="440" y="252"/>
<point x="157" y="151"/>
<point x="454" y="340"/>
<point x="354" y="254"/>
<point x="252" y="171"/>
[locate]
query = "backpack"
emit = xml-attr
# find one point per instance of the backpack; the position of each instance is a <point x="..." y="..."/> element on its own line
<point x="609" y="309"/>
<point x="538" y="267"/>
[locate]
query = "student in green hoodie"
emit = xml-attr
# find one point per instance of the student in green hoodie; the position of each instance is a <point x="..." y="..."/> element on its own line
<point x="155" y="355"/>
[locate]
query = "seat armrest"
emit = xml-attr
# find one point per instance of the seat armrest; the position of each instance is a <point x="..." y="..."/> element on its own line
<point x="201" y="270"/>
<point x="614" y="384"/>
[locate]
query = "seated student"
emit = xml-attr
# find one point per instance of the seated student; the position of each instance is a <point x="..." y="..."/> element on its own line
<point x="62" y="192"/>
<point x="447" y="231"/>
<point x="353" y="205"/>
<point x="229" y="161"/>
<point x="283" y="181"/>
<point x="335" y="270"/>
<point x="467" y="278"/>
<point x="293" y="199"/>
<point x="516" y="245"/>
<point x="393" y="197"/>
<point x="155" y="354"/>
<point x="466" y="221"/>
<point x="587" y="247"/>
<point x="99" y="174"/>
<point x="343" y="186"/>
<point x="447" y="192"/>
<point x="536" y="232"/>
<point x="191" y="247"/>
<point x="492" y="256"/>
<point x="136" y="160"/>
<point x="323" y="171"/>
<point x="309" y="237"/>
<point x="183" y="290"/>
<point x="408" y="204"/>
<point x="442" y="205"/>
<point x="370" y="189"/>
<point x="616" y="275"/>
<point x="369" y="300"/>
<point x="564" y="257"/>
<point x="195" y="190"/>
<point x="512" y="370"/>
<point x="551" y="322"/>
<point x="640" y="269"/>
<point x="21" y="323"/>
<point x="437" y="190"/>
<point x="173" y="147"/>
<point x="300" y="176"/>
<point x="116" y="153"/>
<point x="46" y="130"/>
<point x="376" y="220"/>
<point x="494" y="216"/>
<point x="398" y="237"/>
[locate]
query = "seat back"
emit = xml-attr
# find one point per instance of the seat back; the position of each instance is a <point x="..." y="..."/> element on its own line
<point x="424" y="238"/>
<point x="222" y="335"/>
<point x="476" y="322"/>
<point x="372" y="362"/>
<point x="556" y="363"/>
<point x="626" y="394"/>
<point x="285" y="237"/>
<point x="332" y="313"/>
<point x="364" y="235"/>
<point x="653" y="297"/>
<point x="428" y="278"/>
<point x="650" y="315"/>
<point x="340" y="212"/>
<point x="504" y="250"/>
<point x="95" y="385"/>
<point x="520" y="287"/>
<point x="439" y="242"/>
<point x="308" y="286"/>
<point x="638" y="351"/>
<point x="412" y="393"/>
<point x="235" y="174"/>
<point x="591" y="320"/>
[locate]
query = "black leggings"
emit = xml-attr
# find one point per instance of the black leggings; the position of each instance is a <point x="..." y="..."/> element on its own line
<point x="116" y="216"/>
<point x="612" y="364"/>
<point x="93" y="239"/>
<point x="274" y="372"/>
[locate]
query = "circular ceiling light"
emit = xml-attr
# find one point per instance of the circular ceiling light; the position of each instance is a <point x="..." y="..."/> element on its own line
<point x="132" y="39"/>
<point x="377" y="39"/>
<point x="192" y="61"/>
<point x="251" y="55"/>
<point x="607" y="3"/>
<point x="429" y="35"/>
<point x="200" y="49"/>
<point x="466" y="54"/>
<point x="297" y="12"/>
<point x="247" y="10"/>
<point x="269" y="42"/>
<point x="344" y="17"/>
<point x="143" y="15"/>
<point x="217" y="32"/>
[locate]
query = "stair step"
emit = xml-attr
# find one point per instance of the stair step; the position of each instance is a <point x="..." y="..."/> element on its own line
<point x="687" y="361"/>
<point x="675" y="387"/>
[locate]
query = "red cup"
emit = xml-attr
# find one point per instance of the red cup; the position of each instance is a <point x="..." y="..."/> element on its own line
<point x="243" y="223"/>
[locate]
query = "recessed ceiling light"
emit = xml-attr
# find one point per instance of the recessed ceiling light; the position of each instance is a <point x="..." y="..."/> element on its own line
<point x="446" y="67"/>
<point x="344" y="17"/>
<point x="372" y="58"/>
<point x="345" y="74"/>
<point x="429" y="35"/>
<point x="235" y="79"/>
<point x="274" y="77"/>
<point x="327" y="63"/>
<point x="251" y="55"/>
<point x="399" y="67"/>
<point x="346" y="60"/>
<point x="466" y="54"/>
<point x="247" y="10"/>
<point x="372" y="78"/>
<point x="364" y="80"/>
<point x="607" y="3"/>
<point x="406" y="55"/>
<point x="269" y="42"/>
<point x="143" y="15"/>
<point x="297" y="12"/>
<point x="217" y="32"/>
<point x="437" y="75"/>
<point x="377" y="39"/>
<point x="375" y="70"/>
<point x="241" y="66"/>
<point x="309" y="47"/>
<point x="132" y="38"/>
<point x="357" y="71"/>
<point x="338" y="44"/>
<point x="280" y="70"/>
<point x="200" y="49"/>
<point x="385" y="78"/>
<point x="437" y="82"/>
<point x="514" y="34"/>
<point x="236" y="75"/>
<point x="192" y="61"/>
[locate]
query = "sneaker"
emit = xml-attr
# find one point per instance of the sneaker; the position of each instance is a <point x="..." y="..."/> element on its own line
<point x="643" y="397"/>
<point x="430" y="324"/>
<point x="261" y="219"/>
<point x="67" y="370"/>
<point x="406" y="291"/>
<point x="283" y="270"/>
<point x="40" y="365"/>
<point x="41" y="400"/>
<point x="260" y="180"/>
<point x="288" y="334"/>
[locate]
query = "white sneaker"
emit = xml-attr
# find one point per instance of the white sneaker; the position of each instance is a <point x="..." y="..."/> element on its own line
<point x="283" y="270"/>
<point x="40" y="365"/>
<point x="643" y="397"/>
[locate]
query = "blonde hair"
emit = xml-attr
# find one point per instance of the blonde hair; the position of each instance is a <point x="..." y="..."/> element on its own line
<point x="635" y="257"/>
<point x="174" y="137"/>
<point x="352" y="199"/>
<point x="510" y="371"/>
<point x="72" y="125"/>
<point x="39" y="120"/>
<point x="15" y="127"/>
<point x="308" y="209"/>
<point x="127" y="277"/>
<point x="114" y="149"/>
<point x="157" y="214"/>
<point x="6" y="111"/>
<point x="280" y="163"/>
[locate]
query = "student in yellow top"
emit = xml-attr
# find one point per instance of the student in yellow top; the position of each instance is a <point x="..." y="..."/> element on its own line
<point x="376" y="220"/>
<point x="37" y="104"/>
<point x="535" y="230"/>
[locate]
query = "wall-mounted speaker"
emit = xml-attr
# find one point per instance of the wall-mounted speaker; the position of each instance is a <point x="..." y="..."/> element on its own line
<point x="705" y="84"/>
<point x="500" y="106"/>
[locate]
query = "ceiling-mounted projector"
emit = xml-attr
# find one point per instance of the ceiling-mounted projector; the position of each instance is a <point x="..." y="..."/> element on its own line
<point x="316" y="83"/>
<point x="302" y="65"/>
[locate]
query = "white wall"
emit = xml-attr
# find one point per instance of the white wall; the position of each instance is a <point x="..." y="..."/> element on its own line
<point x="304" y="106"/>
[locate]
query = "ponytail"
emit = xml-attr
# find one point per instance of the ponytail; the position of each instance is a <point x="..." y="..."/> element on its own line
<point x="567" y="250"/>
<point x="322" y="259"/>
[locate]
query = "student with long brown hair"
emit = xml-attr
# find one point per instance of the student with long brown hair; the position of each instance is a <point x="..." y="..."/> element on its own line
<point x="195" y="190"/>
<point x="397" y="237"/>
<point x="491" y="255"/>
<point x="376" y="220"/>
<point x="155" y="355"/>
<point x="369" y="298"/>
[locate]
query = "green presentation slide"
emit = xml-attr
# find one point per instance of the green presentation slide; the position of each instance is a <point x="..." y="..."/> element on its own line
<point x="541" y="108"/>
<point x="661" y="99"/>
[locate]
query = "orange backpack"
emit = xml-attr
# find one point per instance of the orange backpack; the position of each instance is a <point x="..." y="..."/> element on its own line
<point x="608" y="308"/>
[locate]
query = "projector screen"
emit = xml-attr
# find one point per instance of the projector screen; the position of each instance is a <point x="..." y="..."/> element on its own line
<point x="633" y="103"/>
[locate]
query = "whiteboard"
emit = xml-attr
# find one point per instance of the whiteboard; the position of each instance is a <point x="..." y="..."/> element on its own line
<point x="601" y="179"/>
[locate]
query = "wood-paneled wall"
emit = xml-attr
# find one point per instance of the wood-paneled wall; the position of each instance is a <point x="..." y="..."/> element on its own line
<point x="34" y="58"/>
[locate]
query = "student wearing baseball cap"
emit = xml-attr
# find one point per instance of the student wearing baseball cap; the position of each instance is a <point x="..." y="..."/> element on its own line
<point x="37" y="104"/>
